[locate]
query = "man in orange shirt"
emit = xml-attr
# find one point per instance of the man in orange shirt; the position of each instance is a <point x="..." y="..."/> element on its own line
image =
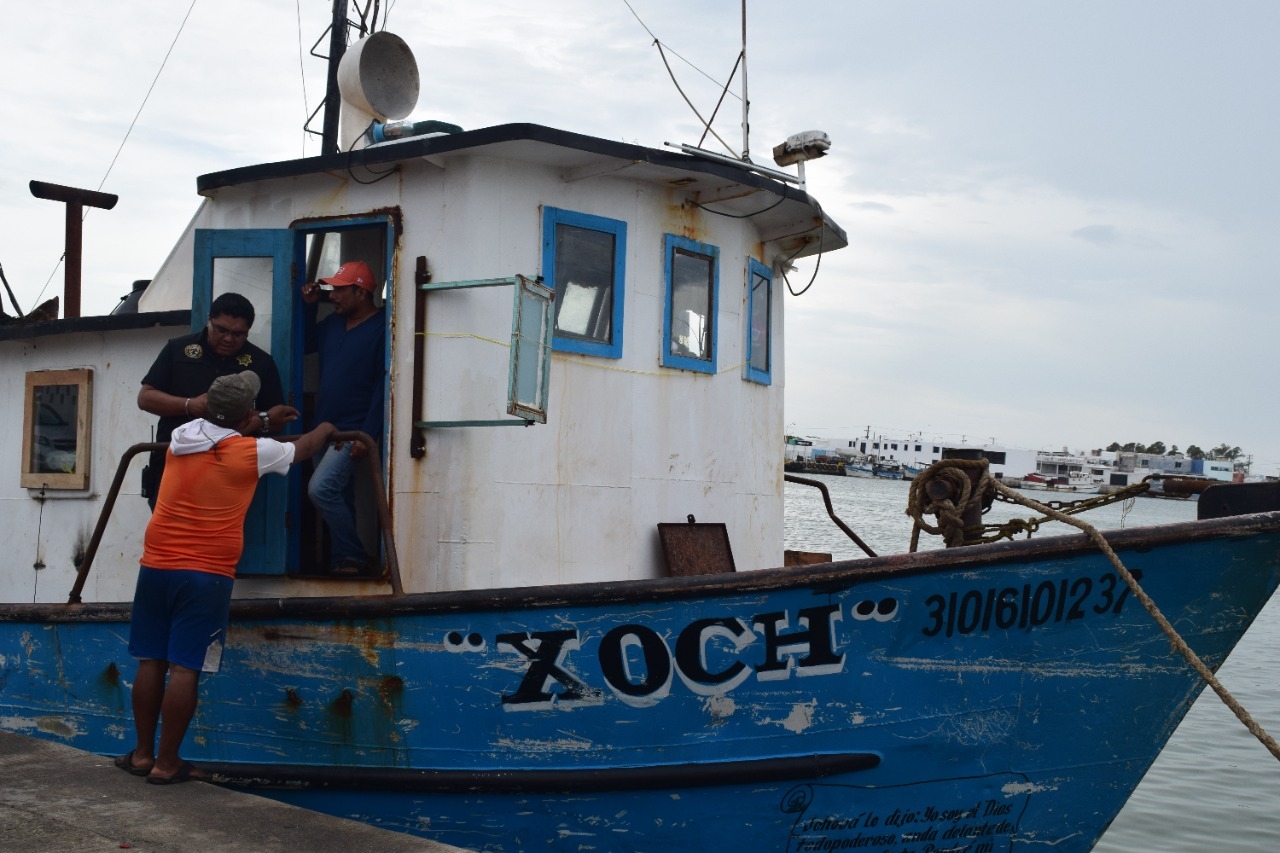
<point x="190" y="550"/>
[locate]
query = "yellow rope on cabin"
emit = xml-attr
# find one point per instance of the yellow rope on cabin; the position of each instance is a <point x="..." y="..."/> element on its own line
<point x="595" y="364"/>
<point x="472" y="335"/>
<point x="950" y="512"/>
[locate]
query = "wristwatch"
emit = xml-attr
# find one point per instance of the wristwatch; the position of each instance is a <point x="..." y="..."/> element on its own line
<point x="266" y="422"/>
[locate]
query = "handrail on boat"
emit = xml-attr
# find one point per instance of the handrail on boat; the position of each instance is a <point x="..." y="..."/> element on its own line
<point x="82" y="570"/>
<point x="375" y="473"/>
<point x="826" y="499"/>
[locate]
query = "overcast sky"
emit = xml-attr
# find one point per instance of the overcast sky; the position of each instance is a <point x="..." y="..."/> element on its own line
<point x="1061" y="215"/>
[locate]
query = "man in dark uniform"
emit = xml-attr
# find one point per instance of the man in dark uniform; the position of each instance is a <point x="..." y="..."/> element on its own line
<point x="175" y="387"/>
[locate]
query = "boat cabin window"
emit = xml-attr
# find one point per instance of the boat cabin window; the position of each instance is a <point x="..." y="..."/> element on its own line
<point x="56" y="425"/>
<point x="692" y="272"/>
<point x="251" y="277"/>
<point x="583" y="260"/>
<point x="760" y="318"/>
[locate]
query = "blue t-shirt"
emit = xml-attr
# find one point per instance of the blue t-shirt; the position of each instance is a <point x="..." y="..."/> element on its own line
<point x="352" y="373"/>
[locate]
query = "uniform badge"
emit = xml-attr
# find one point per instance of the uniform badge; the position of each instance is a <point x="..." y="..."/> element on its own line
<point x="193" y="351"/>
<point x="244" y="359"/>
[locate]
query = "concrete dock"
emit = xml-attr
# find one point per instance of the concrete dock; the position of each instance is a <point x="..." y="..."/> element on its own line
<point x="62" y="800"/>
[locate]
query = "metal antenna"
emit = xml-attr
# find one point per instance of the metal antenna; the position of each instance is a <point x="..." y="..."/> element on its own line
<point x="332" y="99"/>
<point x="746" y="105"/>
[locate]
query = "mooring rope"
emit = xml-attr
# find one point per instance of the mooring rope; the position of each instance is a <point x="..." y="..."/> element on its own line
<point x="948" y="511"/>
<point x="951" y="527"/>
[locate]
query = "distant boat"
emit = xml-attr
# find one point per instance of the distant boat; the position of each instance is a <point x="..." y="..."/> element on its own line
<point x="1063" y="471"/>
<point x="1065" y="483"/>
<point x="887" y="470"/>
<point x="860" y="468"/>
<point x="910" y="472"/>
<point x="872" y="467"/>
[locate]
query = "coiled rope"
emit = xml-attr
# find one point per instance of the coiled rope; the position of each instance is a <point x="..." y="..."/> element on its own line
<point x="950" y="513"/>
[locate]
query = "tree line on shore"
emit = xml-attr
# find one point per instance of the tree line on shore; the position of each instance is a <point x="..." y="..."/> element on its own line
<point x="1158" y="448"/>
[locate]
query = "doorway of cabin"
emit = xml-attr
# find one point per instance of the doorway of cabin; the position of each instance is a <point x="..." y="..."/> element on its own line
<point x="323" y="247"/>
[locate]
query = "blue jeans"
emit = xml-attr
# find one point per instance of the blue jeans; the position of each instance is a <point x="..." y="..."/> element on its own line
<point x="330" y="491"/>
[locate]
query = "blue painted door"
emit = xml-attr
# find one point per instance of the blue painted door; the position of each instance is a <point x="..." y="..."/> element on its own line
<point x="258" y="264"/>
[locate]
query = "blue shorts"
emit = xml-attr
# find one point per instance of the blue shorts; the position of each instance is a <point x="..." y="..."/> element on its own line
<point x="180" y="616"/>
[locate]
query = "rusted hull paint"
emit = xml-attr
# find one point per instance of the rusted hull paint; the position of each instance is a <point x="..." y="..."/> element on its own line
<point x="978" y="700"/>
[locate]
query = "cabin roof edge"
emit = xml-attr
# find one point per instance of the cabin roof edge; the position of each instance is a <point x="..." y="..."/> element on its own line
<point x="101" y="323"/>
<point x="418" y="147"/>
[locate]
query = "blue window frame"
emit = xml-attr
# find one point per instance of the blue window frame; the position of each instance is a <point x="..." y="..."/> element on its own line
<point x="583" y="261"/>
<point x="759" y="364"/>
<point x="692" y="272"/>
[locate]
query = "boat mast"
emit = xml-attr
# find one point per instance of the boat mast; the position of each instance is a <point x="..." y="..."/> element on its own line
<point x="332" y="98"/>
<point x="746" y="127"/>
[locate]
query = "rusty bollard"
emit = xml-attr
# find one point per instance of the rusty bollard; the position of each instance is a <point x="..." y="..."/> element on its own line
<point x="940" y="489"/>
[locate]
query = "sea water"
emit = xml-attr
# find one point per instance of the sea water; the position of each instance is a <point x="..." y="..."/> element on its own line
<point x="1215" y="787"/>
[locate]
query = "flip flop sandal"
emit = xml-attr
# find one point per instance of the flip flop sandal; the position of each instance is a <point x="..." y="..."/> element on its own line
<point x="125" y="763"/>
<point x="186" y="773"/>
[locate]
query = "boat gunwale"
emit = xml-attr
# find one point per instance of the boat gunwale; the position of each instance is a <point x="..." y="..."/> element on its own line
<point x="819" y="578"/>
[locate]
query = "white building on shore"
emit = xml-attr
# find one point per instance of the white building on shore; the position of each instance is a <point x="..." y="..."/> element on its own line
<point x="915" y="450"/>
<point x="1103" y="467"/>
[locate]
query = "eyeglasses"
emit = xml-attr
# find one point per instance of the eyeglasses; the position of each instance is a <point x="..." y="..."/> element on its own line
<point x="223" y="331"/>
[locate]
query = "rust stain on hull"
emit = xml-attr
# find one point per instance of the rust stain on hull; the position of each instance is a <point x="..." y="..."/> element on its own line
<point x="284" y="647"/>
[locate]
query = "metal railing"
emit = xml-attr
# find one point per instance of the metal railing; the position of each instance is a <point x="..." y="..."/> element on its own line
<point x="391" y="570"/>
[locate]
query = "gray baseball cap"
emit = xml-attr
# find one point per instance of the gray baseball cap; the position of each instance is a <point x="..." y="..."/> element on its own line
<point x="231" y="397"/>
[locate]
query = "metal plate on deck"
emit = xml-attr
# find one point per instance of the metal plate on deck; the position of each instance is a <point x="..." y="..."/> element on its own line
<point x="1229" y="499"/>
<point x="696" y="548"/>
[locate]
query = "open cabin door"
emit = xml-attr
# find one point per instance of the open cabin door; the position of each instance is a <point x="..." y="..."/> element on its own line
<point x="256" y="263"/>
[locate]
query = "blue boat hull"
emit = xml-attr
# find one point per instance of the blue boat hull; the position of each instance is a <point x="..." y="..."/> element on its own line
<point x="989" y="698"/>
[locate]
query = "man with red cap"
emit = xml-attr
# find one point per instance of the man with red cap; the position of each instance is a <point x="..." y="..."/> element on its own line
<point x="351" y="343"/>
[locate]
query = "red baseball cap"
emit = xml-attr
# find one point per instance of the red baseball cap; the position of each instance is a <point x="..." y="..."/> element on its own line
<point x="352" y="273"/>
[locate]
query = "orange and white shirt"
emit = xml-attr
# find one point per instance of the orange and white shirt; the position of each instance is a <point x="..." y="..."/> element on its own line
<point x="210" y="476"/>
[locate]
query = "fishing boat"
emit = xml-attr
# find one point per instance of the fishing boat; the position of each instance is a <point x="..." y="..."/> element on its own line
<point x="1072" y="472"/>
<point x="582" y="635"/>
<point x="871" y="466"/>
<point x="887" y="470"/>
<point x="864" y="468"/>
<point x="1059" y="483"/>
